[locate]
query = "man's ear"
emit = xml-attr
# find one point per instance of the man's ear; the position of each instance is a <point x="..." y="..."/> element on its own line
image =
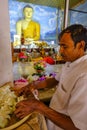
<point x="81" y="44"/>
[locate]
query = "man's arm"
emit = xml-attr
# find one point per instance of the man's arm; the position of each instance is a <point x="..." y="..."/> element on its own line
<point x="57" y="118"/>
<point x="26" y="107"/>
<point x="26" y="89"/>
<point x="47" y="83"/>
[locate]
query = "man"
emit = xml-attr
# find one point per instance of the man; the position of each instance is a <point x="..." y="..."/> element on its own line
<point x="27" y="28"/>
<point x="68" y="107"/>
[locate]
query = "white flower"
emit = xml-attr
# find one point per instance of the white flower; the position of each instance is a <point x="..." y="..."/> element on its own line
<point x="8" y="101"/>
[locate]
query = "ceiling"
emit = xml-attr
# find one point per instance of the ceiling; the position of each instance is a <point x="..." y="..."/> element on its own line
<point x="54" y="3"/>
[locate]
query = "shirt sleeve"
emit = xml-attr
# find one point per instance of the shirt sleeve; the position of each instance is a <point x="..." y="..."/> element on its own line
<point x="77" y="108"/>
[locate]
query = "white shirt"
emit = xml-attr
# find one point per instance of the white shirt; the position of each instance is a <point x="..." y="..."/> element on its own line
<point x="70" y="97"/>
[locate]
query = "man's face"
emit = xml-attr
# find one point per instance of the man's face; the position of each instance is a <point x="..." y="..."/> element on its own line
<point x="68" y="50"/>
<point x="28" y="12"/>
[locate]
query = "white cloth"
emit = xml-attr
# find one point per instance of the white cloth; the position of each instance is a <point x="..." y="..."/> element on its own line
<point x="70" y="97"/>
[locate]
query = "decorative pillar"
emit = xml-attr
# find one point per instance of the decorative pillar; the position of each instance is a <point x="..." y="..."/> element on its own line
<point x="66" y="10"/>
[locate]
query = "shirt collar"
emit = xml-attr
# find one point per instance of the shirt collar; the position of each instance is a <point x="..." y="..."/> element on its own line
<point x="71" y="64"/>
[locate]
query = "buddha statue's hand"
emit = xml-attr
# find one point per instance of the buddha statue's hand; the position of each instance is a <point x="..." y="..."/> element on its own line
<point x="29" y="39"/>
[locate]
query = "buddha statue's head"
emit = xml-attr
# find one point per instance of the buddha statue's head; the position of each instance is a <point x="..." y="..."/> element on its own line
<point x="28" y="12"/>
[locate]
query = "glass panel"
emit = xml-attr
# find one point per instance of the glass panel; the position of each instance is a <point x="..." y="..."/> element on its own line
<point x="79" y="14"/>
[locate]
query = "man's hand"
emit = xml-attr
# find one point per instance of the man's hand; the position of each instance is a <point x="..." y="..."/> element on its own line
<point x="24" y="88"/>
<point x="26" y="107"/>
<point x="19" y="87"/>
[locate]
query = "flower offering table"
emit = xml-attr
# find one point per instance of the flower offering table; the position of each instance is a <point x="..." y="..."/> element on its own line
<point x="44" y="94"/>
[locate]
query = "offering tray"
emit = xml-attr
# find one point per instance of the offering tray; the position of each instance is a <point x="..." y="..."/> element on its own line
<point x="16" y="124"/>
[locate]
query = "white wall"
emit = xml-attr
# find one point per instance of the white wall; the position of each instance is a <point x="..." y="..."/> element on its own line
<point x="5" y="46"/>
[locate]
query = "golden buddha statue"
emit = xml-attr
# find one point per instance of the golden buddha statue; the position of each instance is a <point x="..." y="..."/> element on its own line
<point x="28" y="28"/>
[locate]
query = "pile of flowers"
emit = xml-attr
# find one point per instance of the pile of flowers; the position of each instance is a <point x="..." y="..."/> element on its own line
<point x="23" y="56"/>
<point x="8" y="101"/>
<point x="40" y="65"/>
<point x="49" y="60"/>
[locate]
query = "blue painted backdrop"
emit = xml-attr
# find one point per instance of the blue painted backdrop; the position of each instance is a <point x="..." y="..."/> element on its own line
<point x="50" y="19"/>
